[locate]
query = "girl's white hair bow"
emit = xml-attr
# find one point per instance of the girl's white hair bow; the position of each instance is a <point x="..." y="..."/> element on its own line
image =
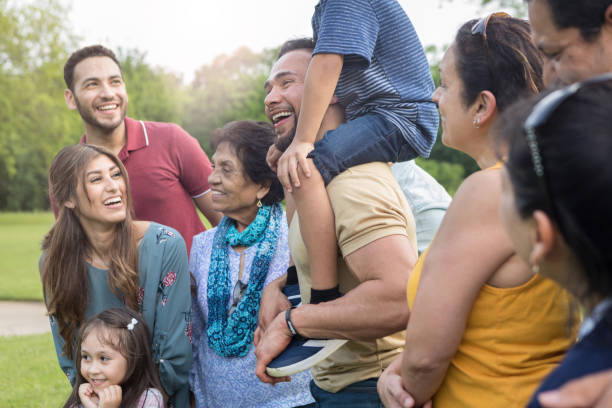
<point x="130" y="325"/>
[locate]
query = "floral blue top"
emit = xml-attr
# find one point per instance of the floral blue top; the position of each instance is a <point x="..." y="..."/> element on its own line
<point x="218" y="381"/>
<point x="164" y="303"/>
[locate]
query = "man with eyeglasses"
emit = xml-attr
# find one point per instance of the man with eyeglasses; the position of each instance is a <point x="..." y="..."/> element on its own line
<point x="575" y="38"/>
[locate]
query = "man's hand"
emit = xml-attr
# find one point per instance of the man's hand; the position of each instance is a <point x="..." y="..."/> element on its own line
<point x="110" y="397"/>
<point x="273" y="301"/>
<point x="590" y="391"/>
<point x="88" y="397"/>
<point x="294" y="156"/>
<point x="272" y="157"/>
<point x="391" y="389"/>
<point x="271" y="343"/>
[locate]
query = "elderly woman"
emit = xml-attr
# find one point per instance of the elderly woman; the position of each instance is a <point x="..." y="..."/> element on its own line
<point x="97" y="257"/>
<point x="484" y="329"/>
<point x="556" y="208"/>
<point x="231" y="265"/>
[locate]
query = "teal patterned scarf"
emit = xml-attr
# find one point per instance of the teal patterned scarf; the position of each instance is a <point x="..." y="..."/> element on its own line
<point x="232" y="336"/>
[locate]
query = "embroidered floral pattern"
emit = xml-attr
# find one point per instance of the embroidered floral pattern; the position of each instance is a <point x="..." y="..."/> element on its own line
<point x="140" y="296"/>
<point x="169" y="279"/>
<point x="164" y="300"/>
<point x="188" y="332"/>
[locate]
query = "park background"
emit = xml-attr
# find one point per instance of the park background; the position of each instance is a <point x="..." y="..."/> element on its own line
<point x="36" y="38"/>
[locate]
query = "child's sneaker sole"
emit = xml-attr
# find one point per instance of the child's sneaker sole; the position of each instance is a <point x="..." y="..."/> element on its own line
<point x="301" y="354"/>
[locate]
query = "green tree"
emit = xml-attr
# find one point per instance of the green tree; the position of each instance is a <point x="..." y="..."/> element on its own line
<point x="34" y="122"/>
<point x="229" y="88"/>
<point x="154" y="94"/>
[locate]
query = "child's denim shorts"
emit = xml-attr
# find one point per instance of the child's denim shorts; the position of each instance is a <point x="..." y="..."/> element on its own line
<point x="365" y="139"/>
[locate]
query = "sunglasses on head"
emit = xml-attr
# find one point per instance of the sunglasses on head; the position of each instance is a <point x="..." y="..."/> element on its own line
<point x="238" y="292"/>
<point x="539" y="116"/>
<point x="480" y="27"/>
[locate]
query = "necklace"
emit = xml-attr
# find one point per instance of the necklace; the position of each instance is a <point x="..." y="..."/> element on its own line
<point x="232" y="335"/>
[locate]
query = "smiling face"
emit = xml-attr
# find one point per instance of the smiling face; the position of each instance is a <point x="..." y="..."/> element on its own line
<point x="568" y="57"/>
<point x="98" y="93"/>
<point x="456" y="118"/>
<point x="101" y="364"/>
<point x="233" y="193"/>
<point x="284" y="89"/>
<point x="101" y="197"/>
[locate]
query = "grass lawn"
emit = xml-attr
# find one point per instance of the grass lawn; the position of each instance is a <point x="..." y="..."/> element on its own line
<point x="30" y="375"/>
<point x="20" y="240"/>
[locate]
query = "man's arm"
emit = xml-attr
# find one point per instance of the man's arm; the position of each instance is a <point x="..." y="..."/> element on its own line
<point x="204" y="203"/>
<point x="273" y="301"/>
<point x="375" y="308"/>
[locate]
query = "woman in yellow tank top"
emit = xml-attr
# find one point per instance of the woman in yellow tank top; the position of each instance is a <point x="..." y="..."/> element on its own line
<point x="484" y="330"/>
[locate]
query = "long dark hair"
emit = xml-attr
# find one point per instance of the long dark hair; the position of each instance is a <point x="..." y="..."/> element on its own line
<point x="575" y="145"/>
<point x="66" y="246"/>
<point x="133" y="344"/>
<point x="506" y="62"/>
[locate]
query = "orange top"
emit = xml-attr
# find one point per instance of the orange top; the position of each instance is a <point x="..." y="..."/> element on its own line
<point x="513" y="338"/>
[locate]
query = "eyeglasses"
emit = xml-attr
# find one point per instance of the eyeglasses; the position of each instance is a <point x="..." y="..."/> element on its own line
<point x="481" y="26"/>
<point x="238" y="292"/>
<point x="540" y="114"/>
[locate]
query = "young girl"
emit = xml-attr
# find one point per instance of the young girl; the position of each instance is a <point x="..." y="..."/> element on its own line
<point x="98" y="257"/>
<point x="115" y="368"/>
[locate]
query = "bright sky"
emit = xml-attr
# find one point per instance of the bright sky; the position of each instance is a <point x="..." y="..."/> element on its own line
<point x="182" y="35"/>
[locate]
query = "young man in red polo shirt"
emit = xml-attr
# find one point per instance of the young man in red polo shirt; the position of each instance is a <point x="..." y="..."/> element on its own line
<point x="167" y="168"/>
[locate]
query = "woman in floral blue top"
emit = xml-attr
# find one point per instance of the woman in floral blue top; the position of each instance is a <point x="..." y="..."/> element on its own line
<point x="231" y="265"/>
<point x="97" y="257"/>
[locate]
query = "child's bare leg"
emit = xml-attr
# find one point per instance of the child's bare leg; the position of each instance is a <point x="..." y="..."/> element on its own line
<point x="317" y="227"/>
<point x="289" y="207"/>
<point x="292" y="278"/>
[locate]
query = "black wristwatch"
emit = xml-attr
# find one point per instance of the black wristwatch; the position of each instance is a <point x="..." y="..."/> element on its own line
<point x="289" y="323"/>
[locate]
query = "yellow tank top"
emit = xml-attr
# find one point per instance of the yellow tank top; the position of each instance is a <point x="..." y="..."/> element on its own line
<point x="514" y="337"/>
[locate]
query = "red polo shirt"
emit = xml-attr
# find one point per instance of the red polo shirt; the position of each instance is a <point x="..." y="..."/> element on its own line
<point x="167" y="168"/>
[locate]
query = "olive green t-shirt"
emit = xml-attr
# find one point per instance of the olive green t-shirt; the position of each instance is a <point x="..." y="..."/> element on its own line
<point x="368" y="204"/>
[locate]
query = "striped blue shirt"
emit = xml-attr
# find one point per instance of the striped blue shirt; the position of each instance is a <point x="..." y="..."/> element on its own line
<point x="385" y="69"/>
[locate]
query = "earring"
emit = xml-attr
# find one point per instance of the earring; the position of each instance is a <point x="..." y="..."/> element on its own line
<point x="259" y="204"/>
<point x="476" y="123"/>
<point x="535" y="268"/>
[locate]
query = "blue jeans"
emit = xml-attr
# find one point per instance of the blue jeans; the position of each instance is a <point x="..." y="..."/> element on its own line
<point x="361" y="394"/>
<point x="368" y="138"/>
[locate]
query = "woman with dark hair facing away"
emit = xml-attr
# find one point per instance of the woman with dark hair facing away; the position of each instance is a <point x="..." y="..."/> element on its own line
<point x="114" y="367"/>
<point x="232" y="264"/>
<point x="484" y="329"/>
<point x="556" y="207"/>
<point x="97" y="257"/>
